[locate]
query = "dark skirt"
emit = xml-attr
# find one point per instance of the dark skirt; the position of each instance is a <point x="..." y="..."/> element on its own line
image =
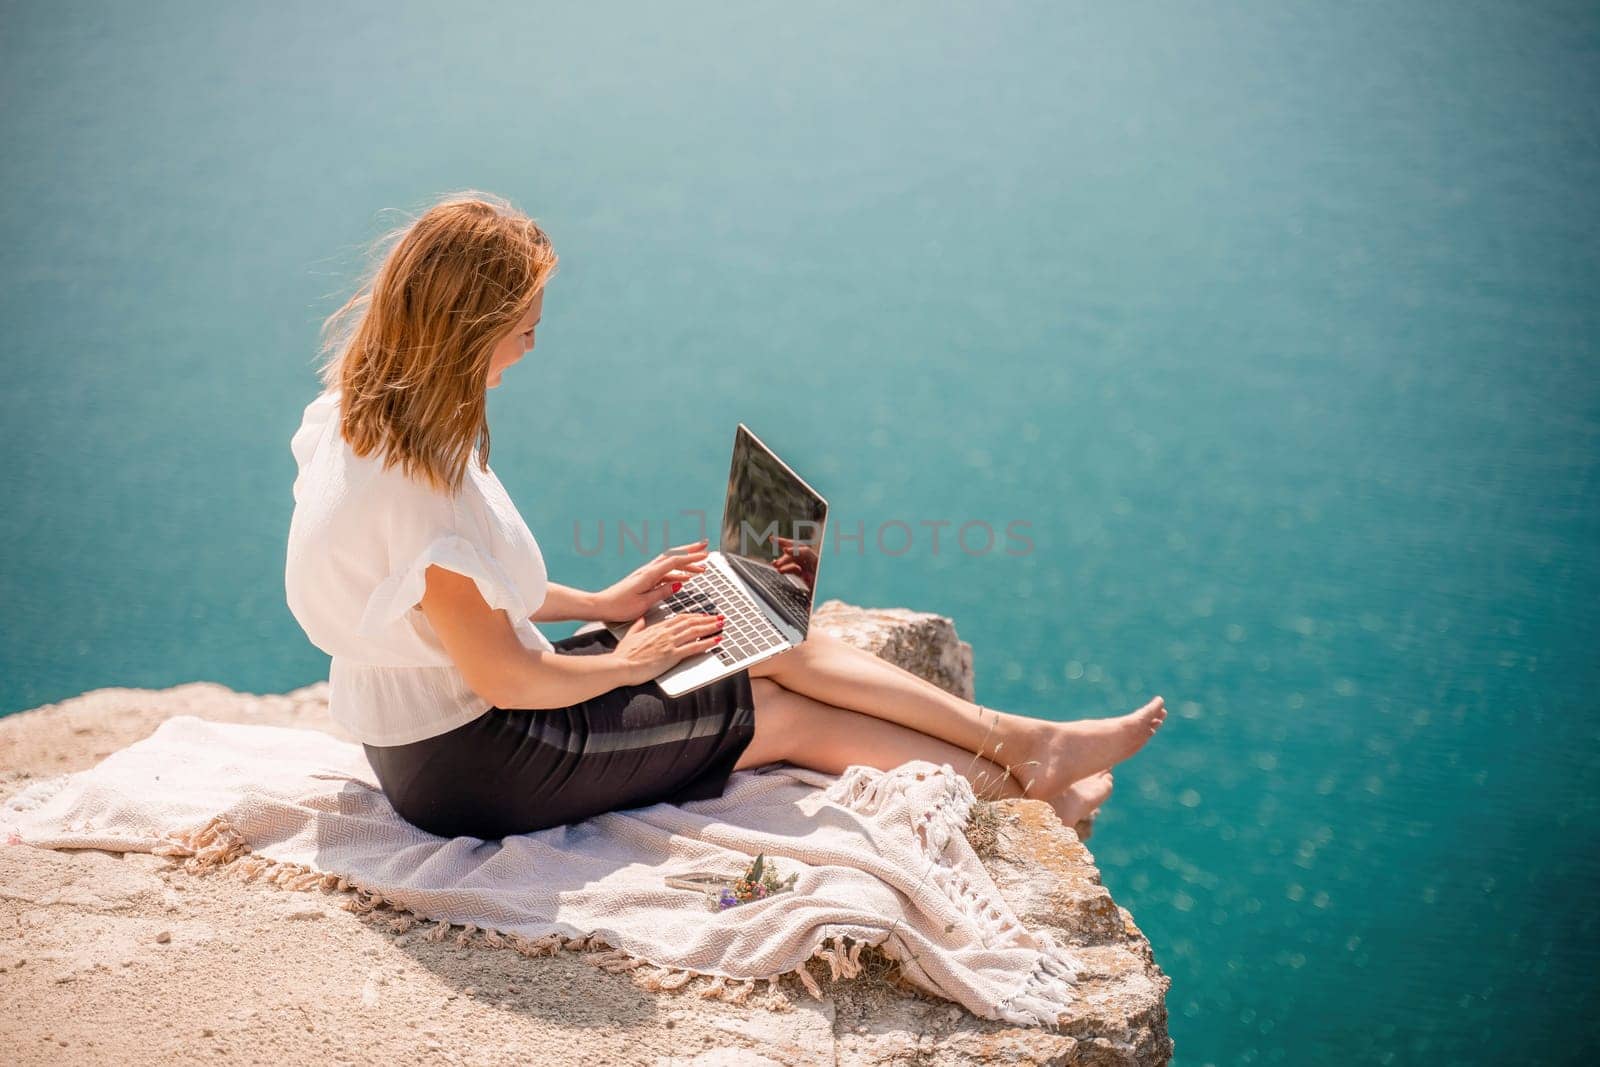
<point x="513" y="771"/>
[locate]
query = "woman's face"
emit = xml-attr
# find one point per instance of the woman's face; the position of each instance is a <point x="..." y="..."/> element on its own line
<point x="520" y="340"/>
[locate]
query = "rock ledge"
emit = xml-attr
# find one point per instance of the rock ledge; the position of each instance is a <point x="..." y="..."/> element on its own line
<point x="127" y="959"/>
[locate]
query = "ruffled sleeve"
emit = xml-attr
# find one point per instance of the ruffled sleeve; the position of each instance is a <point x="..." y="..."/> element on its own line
<point x="394" y="598"/>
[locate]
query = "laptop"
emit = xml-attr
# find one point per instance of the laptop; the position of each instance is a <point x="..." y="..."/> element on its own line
<point x="762" y="575"/>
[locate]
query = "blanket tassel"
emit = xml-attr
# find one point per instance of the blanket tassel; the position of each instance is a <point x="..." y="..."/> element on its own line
<point x="217" y="846"/>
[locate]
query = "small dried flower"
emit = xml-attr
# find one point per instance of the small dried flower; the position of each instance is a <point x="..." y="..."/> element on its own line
<point x="758" y="883"/>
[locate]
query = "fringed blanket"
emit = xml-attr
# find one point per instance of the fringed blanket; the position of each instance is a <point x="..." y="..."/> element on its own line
<point x="880" y="858"/>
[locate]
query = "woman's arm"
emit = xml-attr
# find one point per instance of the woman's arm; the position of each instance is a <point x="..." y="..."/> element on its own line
<point x="563" y="603"/>
<point x="497" y="666"/>
<point x="486" y="650"/>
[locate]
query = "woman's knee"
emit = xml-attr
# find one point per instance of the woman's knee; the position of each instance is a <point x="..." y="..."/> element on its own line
<point x="816" y="642"/>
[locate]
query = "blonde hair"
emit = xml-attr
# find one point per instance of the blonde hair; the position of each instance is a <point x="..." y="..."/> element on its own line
<point x="411" y="350"/>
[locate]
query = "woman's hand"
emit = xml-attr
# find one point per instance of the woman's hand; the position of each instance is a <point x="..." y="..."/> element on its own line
<point x="653" y="582"/>
<point x="796" y="557"/>
<point x="647" y="650"/>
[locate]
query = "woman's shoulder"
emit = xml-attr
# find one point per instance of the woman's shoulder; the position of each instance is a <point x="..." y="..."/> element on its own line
<point x="363" y="491"/>
<point x="391" y="487"/>
<point x="379" y="486"/>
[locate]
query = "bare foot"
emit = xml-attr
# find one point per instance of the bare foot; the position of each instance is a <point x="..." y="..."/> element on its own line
<point x="1082" y="797"/>
<point x="1063" y="752"/>
<point x="1084" y="827"/>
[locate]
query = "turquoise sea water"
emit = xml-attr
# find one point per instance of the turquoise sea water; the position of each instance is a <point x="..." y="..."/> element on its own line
<point x="1276" y="325"/>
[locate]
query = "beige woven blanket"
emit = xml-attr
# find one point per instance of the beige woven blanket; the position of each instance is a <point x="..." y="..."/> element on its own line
<point x="880" y="859"/>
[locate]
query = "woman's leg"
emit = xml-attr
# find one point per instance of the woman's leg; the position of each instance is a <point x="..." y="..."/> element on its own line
<point x="1045" y="757"/>
<point x="795" y="728"/>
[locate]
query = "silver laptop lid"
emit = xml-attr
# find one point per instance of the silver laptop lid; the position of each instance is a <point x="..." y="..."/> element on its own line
<point x="772" y="529"/>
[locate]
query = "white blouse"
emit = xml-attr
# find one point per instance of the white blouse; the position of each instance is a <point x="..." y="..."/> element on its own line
<point x="359" y="543"/>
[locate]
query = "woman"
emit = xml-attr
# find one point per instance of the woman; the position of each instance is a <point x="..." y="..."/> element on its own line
<point x="409" y="564"/>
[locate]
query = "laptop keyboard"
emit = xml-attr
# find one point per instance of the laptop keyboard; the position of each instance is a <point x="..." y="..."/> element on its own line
<point x="779" y="588"/>
<point x="745" y="630"/>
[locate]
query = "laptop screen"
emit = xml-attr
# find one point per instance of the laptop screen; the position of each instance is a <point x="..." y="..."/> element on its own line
<point x="772" y="528"/>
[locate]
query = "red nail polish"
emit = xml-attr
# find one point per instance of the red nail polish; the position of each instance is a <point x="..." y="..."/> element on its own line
<point x="676" y="586"/>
